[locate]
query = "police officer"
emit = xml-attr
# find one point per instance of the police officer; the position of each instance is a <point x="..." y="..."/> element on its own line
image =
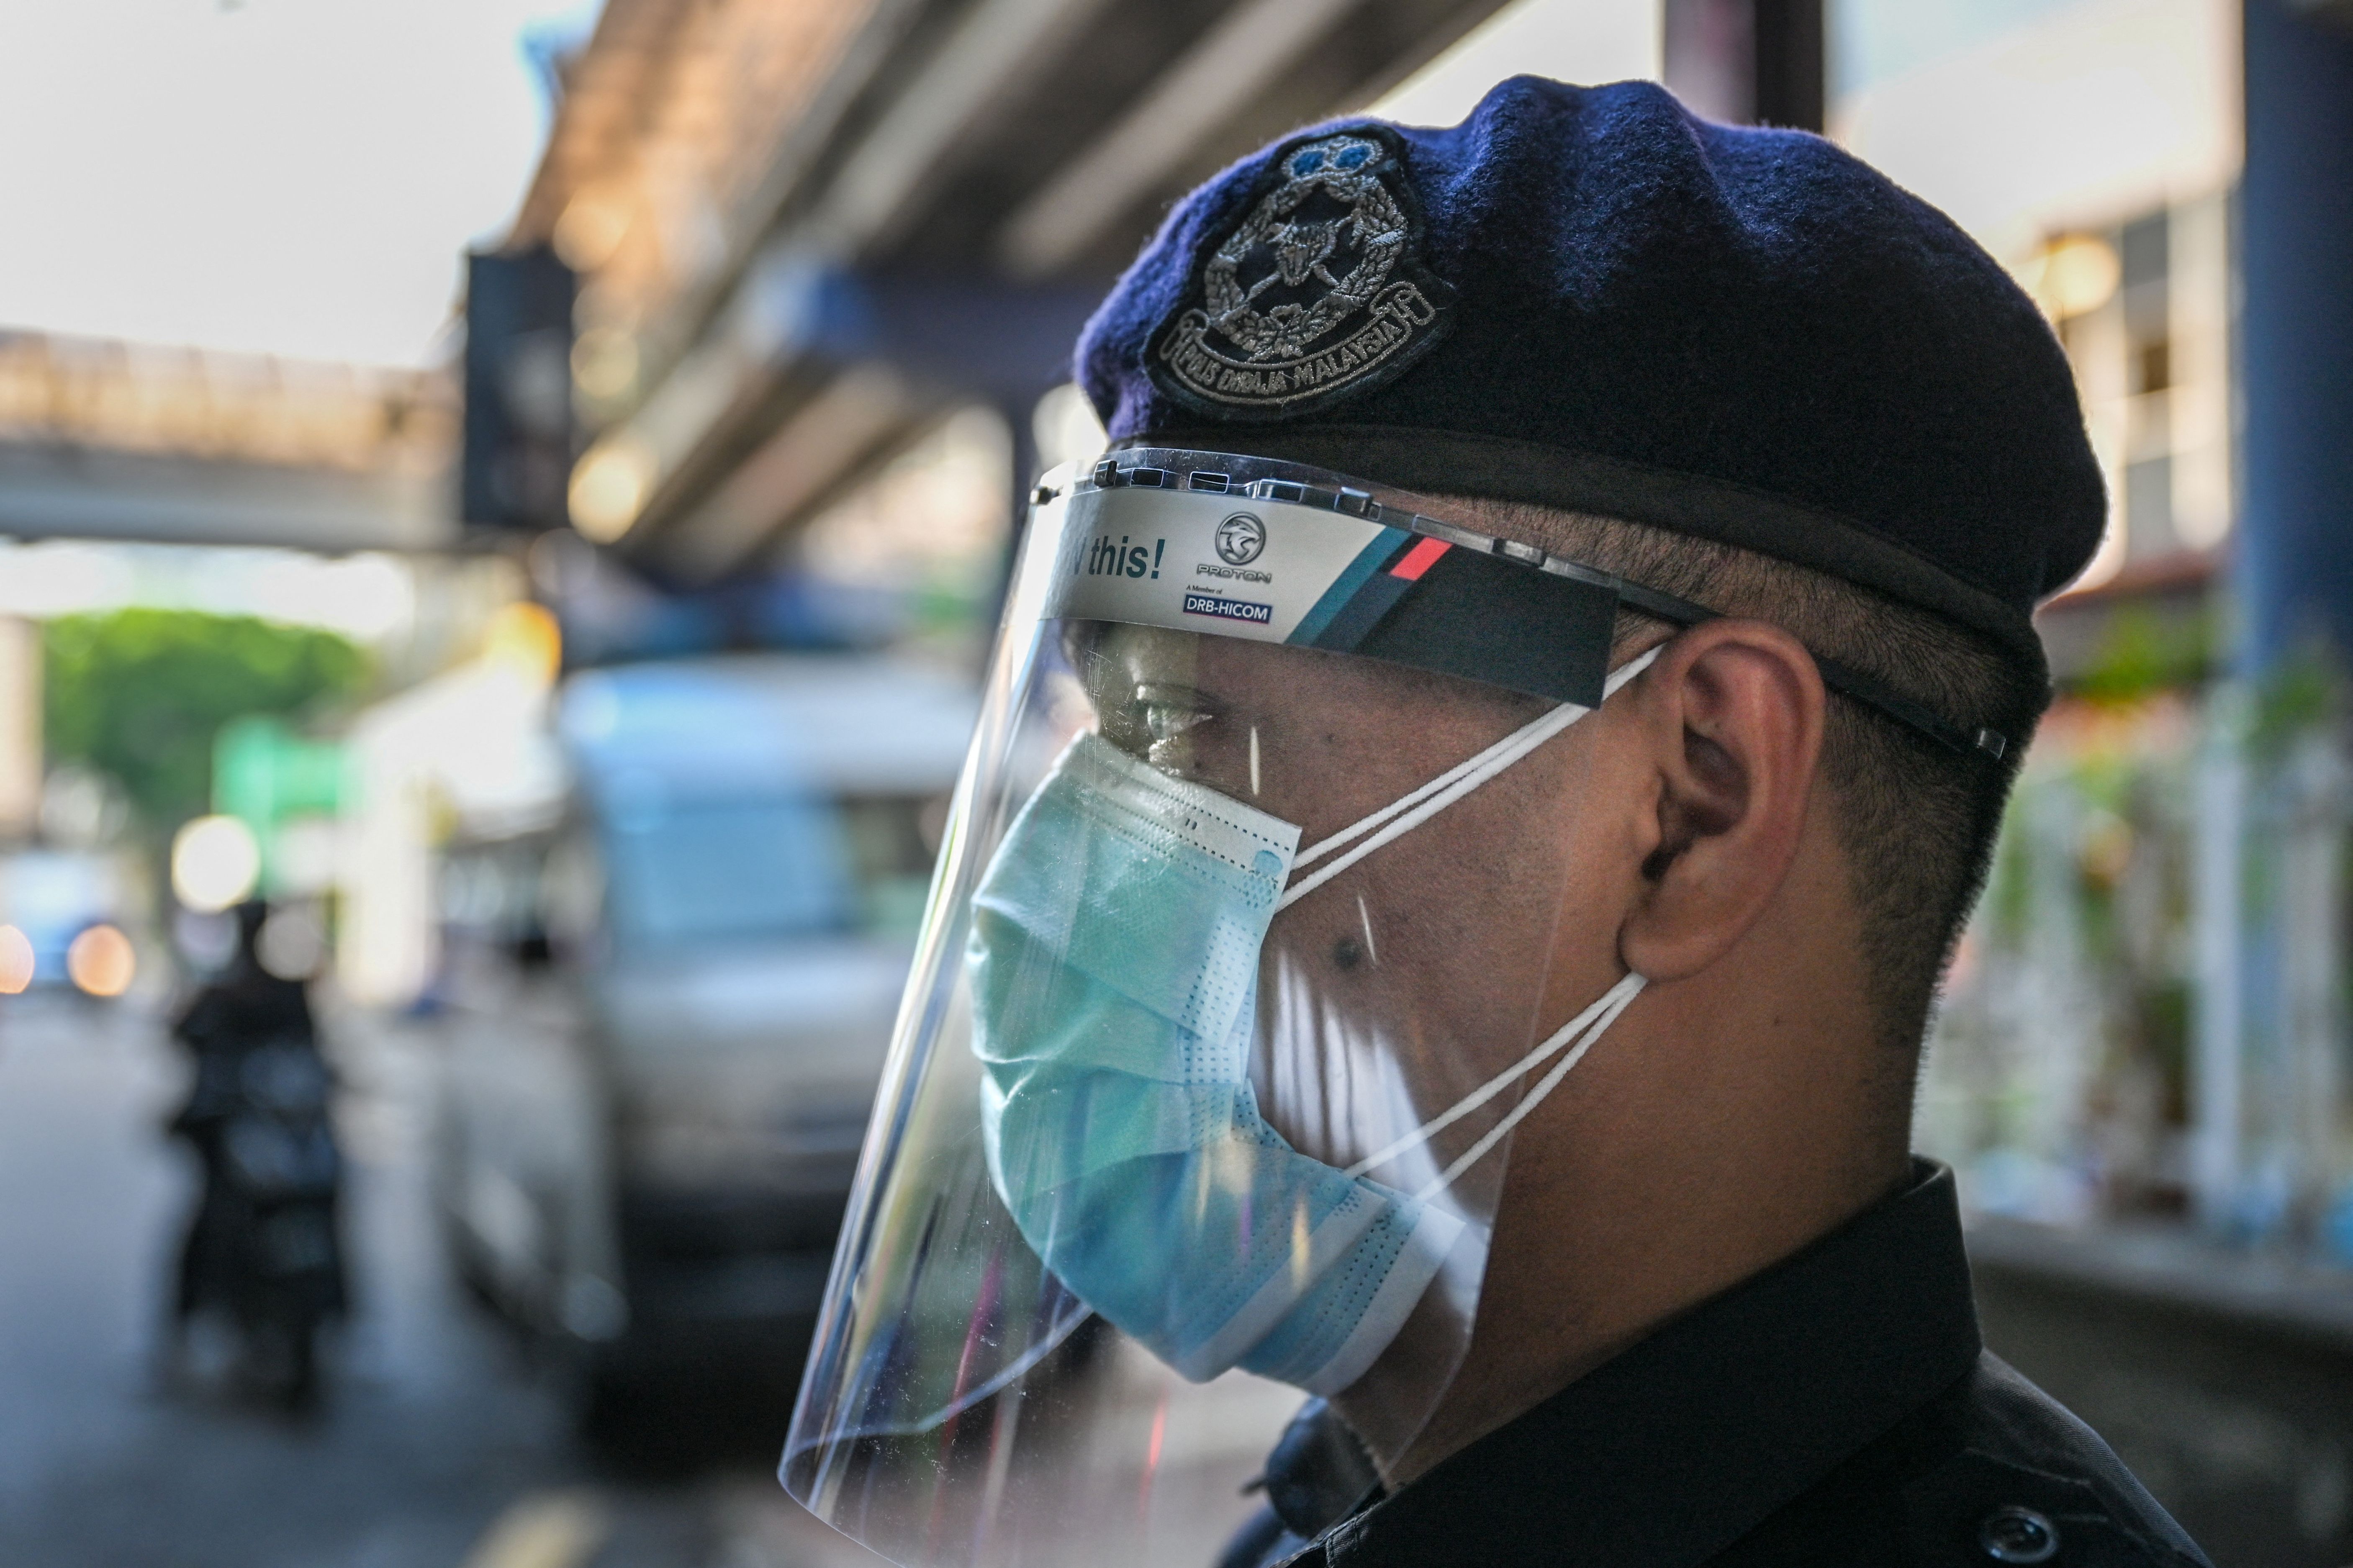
<point x="1477" y="789"/>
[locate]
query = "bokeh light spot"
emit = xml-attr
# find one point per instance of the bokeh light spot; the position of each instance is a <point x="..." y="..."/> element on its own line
<point x="15" y="960"/>
<point x="101" y="962"/>
<point x="215" y="863"/>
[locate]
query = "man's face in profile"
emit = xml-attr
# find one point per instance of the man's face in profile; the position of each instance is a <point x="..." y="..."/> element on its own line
<point x="1448" y="951"/>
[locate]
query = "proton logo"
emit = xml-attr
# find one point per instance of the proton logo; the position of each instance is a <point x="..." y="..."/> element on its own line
<point x="1240" y="539"/>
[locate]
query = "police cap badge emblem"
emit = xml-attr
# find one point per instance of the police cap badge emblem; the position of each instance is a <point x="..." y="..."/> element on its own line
<point x="1319" y="293"/>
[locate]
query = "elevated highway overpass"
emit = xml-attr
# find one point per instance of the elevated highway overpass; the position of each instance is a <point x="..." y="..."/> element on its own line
<point x="805" y="228"/>
<point x="110" y="440"/>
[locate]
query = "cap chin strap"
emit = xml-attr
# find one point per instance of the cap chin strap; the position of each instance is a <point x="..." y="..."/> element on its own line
<point x="1411" y="810"/>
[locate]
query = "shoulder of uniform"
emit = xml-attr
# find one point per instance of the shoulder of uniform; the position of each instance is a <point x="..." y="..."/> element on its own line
<point x="2026" y="1482"/>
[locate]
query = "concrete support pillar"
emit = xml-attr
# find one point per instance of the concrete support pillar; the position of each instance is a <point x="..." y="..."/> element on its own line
<point x="1747" y="61"/>
<point x="20" y="728"/>
<point x="2294" y="550"/>
<point x="2265" y="1088"/>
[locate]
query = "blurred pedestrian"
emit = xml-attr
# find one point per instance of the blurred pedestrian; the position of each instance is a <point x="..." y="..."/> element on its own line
<point x="263" y="1247"/>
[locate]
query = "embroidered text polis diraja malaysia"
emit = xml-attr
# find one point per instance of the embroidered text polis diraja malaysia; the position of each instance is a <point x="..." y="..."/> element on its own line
<point x="1396" y="315"/>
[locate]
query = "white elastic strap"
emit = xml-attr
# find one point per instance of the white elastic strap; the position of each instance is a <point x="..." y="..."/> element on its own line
<point x="1609" y="1000"/>
<point x="1502" y="754"/>
<point x="1417" y="806"/>
<point x="1620" y="996"/>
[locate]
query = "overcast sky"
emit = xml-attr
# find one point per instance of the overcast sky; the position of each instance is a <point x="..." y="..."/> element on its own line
<point x="296" y="177"/>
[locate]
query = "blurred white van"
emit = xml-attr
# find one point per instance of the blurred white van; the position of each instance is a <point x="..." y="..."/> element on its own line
<point x="664" y="1016"/>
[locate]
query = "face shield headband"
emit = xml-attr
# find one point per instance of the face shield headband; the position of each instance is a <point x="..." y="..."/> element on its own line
<point x="1379" y="573"/>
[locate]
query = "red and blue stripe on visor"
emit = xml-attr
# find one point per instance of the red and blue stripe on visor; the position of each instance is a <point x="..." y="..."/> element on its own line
<point x="1422" y="601"/>
<point x="1383" y="573"/>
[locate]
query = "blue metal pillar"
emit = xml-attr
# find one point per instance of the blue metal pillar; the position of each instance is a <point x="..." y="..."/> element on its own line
<point x="2295" y="550"/>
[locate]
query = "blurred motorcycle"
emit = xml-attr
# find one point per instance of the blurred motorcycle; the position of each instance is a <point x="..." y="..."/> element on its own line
<point x="263" y="1249"/>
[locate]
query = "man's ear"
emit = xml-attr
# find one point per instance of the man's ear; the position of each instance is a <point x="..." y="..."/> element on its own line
<point x="1731" y="719"/>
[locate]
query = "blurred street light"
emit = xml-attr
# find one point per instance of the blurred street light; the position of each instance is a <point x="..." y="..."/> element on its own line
<point x="101" y="962"/>
<point x="592" y="228"/>
<point x="604" y="366"/>
<point x="15" y="960"/>
<point x="2074" y="275"/>
<point x="524" y="639"/>
<point x="291" y="945"/>
<point x="215" y="863"/>
<point x="609" y="487"/>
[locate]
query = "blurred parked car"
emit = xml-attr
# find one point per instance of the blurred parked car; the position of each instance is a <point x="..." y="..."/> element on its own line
<point x="665" y="1014"/>
<point x="67" y="905"/>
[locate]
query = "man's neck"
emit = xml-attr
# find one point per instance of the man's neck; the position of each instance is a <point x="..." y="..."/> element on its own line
<point x="1693" y="1151"/>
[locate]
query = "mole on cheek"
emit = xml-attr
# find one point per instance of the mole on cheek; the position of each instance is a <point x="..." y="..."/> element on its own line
<point x="1348" y="952"/>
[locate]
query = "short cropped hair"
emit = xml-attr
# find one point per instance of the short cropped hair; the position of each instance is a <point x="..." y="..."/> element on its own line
<point x="1917" y="821"/>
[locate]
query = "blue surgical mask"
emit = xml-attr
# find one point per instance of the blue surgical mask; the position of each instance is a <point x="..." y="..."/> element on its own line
<point x="1114" y="961"/>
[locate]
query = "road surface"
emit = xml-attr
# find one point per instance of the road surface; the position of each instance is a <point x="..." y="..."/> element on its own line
<point x="439" y="1447"/>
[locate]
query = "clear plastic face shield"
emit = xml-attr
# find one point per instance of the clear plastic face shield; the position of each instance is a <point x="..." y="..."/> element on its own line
<point x="1254" y="937"/>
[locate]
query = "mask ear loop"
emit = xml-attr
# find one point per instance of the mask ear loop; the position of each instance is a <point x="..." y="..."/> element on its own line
<point x="1617" y="999"/>
<point x="1591" y="1023"/>
<point x="1410" y="811"/>
<point x="1417" y="806"/>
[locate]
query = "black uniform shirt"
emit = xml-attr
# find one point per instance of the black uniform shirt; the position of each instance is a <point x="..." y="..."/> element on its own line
<point x="1835" y="1411"/>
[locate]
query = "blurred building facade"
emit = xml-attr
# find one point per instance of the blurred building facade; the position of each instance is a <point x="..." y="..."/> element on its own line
<point x="2142" y="1068"/>
<point x="2145" y="1020"/>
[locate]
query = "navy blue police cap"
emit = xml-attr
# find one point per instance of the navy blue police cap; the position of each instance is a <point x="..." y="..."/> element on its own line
<point x="1589" y="299"/>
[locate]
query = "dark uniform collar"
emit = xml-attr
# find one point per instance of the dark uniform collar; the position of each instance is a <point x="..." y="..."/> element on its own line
<point x="1671" y="1452"/>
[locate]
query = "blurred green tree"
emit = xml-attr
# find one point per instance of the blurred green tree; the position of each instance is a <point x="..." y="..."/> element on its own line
<point x="140" y="694"/>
